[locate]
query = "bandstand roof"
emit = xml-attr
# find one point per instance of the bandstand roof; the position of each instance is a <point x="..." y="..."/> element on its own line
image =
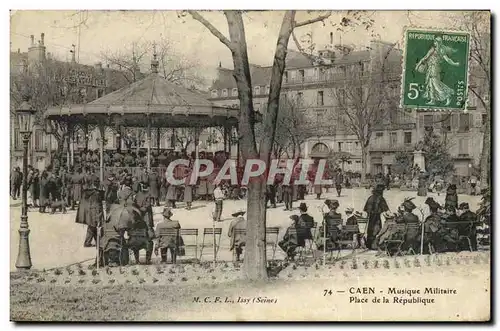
<point x="165" y="104"/>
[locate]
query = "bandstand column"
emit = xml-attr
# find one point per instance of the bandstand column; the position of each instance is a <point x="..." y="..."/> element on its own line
<point x="101" y="152"/>
<point x="148" y="138"/>
<point x="158" y="139"/>
<point x="225" y="138"/>
<point x="86" y="136"/>
<point x="68" y="145"/>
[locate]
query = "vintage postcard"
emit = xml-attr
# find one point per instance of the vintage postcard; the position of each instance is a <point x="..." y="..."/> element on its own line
<point x="250" y="165"/>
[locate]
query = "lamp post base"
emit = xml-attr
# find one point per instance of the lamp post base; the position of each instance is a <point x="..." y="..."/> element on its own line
<point x="23" y="261"/>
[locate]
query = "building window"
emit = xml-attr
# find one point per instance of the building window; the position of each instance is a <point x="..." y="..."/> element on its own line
<point x="446" y="122"/>
<point x="257" y="90"/>
<point x="472" y="101"/>
<point x="407" y="138"/>
<point x="214" y="93"/>
<point x="320" y="100"/>
<point x="39" y="140"/>
<point x="235" y="92"/>
<point x="463" y="147"/>
<point x="356" y="144"/>
<point x="394" y="138"/>
<point x="301" y="75"/>
<point x="428" y="121"/>
<point x="464" y="122"/>
<point x="256" y="106"/>
<point x="100" y="93"/>
<point x="340" y="146"/>
<point x="484" y="118"/>
<point x="268" y="89"/>
<point x="17" y="138"/>
<point x="286" y="76"/>
<point x="224" y="92"/>
<point x="379" y="134"/>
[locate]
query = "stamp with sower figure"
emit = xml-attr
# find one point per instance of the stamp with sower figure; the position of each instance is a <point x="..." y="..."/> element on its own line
<point x="435" y="69"/>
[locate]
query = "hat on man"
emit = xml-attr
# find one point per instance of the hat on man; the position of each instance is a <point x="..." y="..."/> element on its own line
<point x="432" y="203"/>
<point x="238" y="213"/>
<point x="303" y="207"/>
<point x="167" y="212"/>
<point x="463" y="205"/>
<point x="334" y="204"/>
<point x="379" y="188"/>
<point x="408" y="204"/>
<point x="349" y="210"/>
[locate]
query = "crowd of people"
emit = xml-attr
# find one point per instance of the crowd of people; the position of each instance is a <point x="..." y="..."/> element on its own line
<point x="452" y="227"/>
<point x="128" y="200"/>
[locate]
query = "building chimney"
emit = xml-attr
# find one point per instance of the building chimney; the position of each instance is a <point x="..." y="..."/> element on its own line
<point x="331" y="38"/>
<point x="73" y="59"/>
<point x="18" y="51"/>
<point x="98" y="66"/>
<point x="32" y="37"/>
<point x="42" y="39"/>
<point x="220" y="64"/>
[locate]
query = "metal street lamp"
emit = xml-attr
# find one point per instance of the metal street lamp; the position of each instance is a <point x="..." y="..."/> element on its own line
<point x="25" y="118"/>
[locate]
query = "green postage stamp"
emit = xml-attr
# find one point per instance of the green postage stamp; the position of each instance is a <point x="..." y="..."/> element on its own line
<point x="435" y="69"/>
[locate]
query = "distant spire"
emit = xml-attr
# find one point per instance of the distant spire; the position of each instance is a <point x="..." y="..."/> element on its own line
<point x="154" y="62"/>
<point x="220" y="64"/>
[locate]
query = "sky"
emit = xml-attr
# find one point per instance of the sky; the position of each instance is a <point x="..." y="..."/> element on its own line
<point x="114" y="30"/>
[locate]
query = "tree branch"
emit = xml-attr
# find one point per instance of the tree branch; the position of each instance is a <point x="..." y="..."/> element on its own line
<point x="313" y="20"/>
<point x="211" y="28"/>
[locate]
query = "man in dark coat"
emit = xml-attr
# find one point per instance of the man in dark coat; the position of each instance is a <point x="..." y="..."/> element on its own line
<point x="306" y="221"/>
<point x="154" y="187"/>
<point x="35" y="187"/>
<point x="16" y="179"/>
<point x="188" y="195"/>
<point x="339" y="179"/>
<point x="44" y="191"/>
<point x="238" y="239"/>
<point x="165" y="243"/>
<point x="292" y="238"/>
<point x="374" y="206"/>
<point x="468" y="230"/>
<point x="451" y="200"/>
<point x="271" y="195"/>
<point x="90" y="211"/>
<point x="110" y="190"/>
<point x="434" y="233"/>
<point x="143" y="203"/>
<point x="76" y="187"/>
<point x="413" y="234"/>
<point x="288" y="195"/>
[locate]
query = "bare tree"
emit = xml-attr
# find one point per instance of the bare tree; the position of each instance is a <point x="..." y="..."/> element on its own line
<point x="292" y="129"/>
<point x="365" y="100"/>
<point x="184" y="137"/>
<point x="47" y="83"/>
<point x="174" y="67"/>
<point x="254" y="267"/>
<point x="129" y="60"/>
<point x="478" y="23"/>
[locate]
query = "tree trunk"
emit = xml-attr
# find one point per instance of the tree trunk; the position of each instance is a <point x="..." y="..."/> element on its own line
<point x="485" y="156"/>
<point x="255" y="262"/>
<point x="364" y="162"/>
